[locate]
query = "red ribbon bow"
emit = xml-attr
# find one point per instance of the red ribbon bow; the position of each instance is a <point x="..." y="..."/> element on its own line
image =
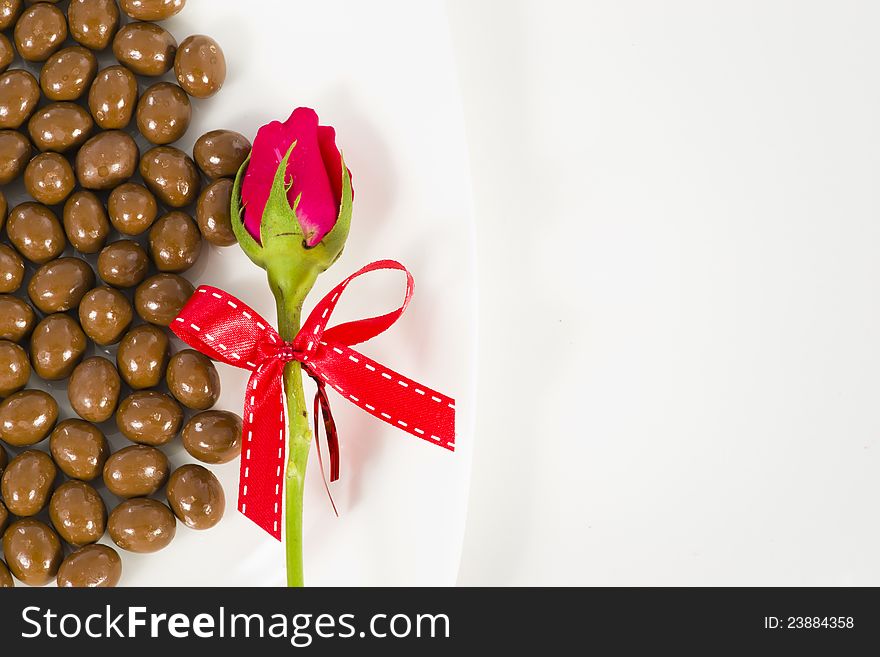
<point x="226" y="329"/>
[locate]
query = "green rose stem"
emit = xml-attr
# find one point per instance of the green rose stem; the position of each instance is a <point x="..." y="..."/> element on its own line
<point x="290" y="289"/>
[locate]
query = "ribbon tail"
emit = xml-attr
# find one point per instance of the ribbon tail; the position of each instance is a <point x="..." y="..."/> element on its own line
<point x="333" y="447"/>
<point x="263" y="448"/>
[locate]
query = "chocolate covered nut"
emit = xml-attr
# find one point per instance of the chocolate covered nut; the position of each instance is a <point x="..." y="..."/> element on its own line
<point x="136" y="471"/>
<point x="39" y="32"/>
<point x="160" y="298"/>
<point x="196" y="497"/>
<point x="59" y="285"/>
<point x="11" y="270"/>
<point x="200" y="66"/>
<point x="213" y="214"/>
<point x="93" y="23"/>
<point x="143" y="356"/>
<point x="17" y="318"/>
<point x="164" y="113"/>
<point x="145" y="48"/>
<point x="49" y="178"/>
<point x="15" y="368"/>
<point x="68" y="73"/>
<point x="57" y="345"/>
<point x="60" y="127"/>
<point x="4" y="518"/>
<point x="123" y="264"/>
<point x="85" y="222"/>
<point x="94" y="389"/>
<point x="151" y="10"/>
<point x="35" y="232"/>
<point x="105" y="315"/>
<point x="193" y="380"/>
<point x="175" y="242"/>
<point x="213" y="437"/>
<point x="27" y="417"/>
<point x="106" y="160"/>
<point x="79" y="449"/>
<point x="171" y="175"/>
<point x="9" y="11"/>
<point x="149" y="418"/>
<point x="32" y="551"/>
<point x="19" y="95"/>
<point x="4" y="208"/>
<point x="78" y="513"/>
<point x="142" y="525"/>
<point x="113" y="97"/>
<point x="27" y="483"/>
<point x="4" y="461"/>
<point x="7" y="52"/>
<point x="132" y="209"/>
<point x="15" y="151"/>
<point x="92" y="566"/>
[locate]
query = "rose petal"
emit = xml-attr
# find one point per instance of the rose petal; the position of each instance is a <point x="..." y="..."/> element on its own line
<point x="318" y="206"/>
<point x="271" y="144"/>
<point x="332" y="159"/>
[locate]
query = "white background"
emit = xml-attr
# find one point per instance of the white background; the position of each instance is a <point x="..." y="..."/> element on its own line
<point x="678" y="216"/>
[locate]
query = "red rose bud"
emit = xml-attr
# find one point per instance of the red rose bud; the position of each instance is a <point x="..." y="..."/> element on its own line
<point x="293" y="197"/>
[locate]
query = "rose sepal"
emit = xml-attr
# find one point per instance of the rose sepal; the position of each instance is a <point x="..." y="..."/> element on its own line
<point x="283" y="242"/>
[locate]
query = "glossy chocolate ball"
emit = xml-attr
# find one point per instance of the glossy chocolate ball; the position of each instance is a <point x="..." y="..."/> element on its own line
<point x="136" y="471"/>
<point x="60" y="285"/>
<point x="163" y="113"/>
<point x="85" y="222"/>
<point x="145" y="48"/>
<point x="175" y="242"/>
<point x="92" y="566"/>
<point x="35" y="232"/>
<point x="49" y="178"/>
<point x="213" y="437"/>
<point x="15" y="368"/>
<point x="27" y="483"/>
<point x="11" y="270"/>
<point x="171" y="175"/>
<point x="143" y="356"/>
<point x="78" y="513"/>
<point x="193" y="380"/>
<point x="105" y="315"/>
<point x="57" y="345"/>
<point x="32" y="552"/>
<point x="19" y="95"/>
<point x="27" y="417"/>
<point x="68" y="73"/>
<point x="40" y="31"/>
<point x="196" y="497"/>
<point x="123" y="264"/>
<point x="17" y="318"/>
<point x="142" y="525"/>
<point x="213" y="213"/>
<point x="106" y="160"/>
<point x="113" y="98"/>
<point x="160" y="298"/>
<point x="149" y="418"/>
<point x="200" y="66"/>
<point x="94" y="389"/>
<point x="93" y="23"/>
<point x="79" y="449"/>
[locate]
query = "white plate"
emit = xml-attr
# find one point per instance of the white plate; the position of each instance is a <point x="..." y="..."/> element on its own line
<point x="383" y="74"/>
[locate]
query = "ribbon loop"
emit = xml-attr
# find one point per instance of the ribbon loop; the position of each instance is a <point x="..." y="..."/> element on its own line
<point x="228" y="330"/>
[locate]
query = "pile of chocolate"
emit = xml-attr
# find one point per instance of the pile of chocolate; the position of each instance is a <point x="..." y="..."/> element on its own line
<point x="90" y="279"/>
